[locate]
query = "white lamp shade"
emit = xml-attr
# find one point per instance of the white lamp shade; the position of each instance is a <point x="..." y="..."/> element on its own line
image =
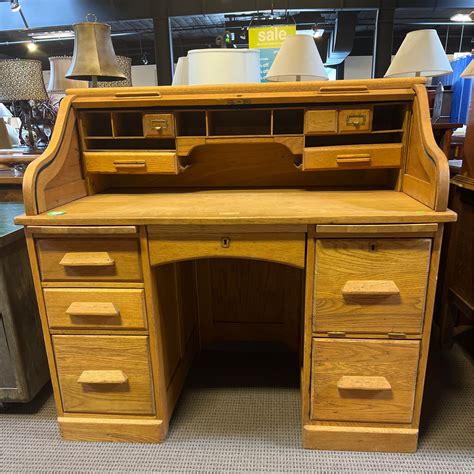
<point x="223" y="66"/>
<point x="422" y="54"/>
<point x="297" y="60"/>
<point x="469" y="71"/>
<point x="180" y="77"/>
<point x="57" y="77"/>
<point x="4" y="112"/>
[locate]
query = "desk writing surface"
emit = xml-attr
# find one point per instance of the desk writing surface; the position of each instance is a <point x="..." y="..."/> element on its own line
<point x="242" y="206"/>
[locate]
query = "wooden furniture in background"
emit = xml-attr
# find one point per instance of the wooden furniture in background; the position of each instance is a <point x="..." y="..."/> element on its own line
<point x="163" y="220"/>
<point x="23" y="364"/>
<point x="12" y="166"/>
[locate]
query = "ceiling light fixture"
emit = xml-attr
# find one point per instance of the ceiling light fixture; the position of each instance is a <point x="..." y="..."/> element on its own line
<point x="52" y="35"/>
<point x="32" y="46"/>
<point x="15" y="5"/>
<point x="461" y="18"/>
<point x="318" y="33"/>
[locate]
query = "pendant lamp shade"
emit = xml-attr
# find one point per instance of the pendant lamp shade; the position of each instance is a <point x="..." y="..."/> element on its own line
<point x="21" y="79"/>
<point x="180" y="77"/>
<point x="297" y="60"/>
<point x="125" y="65"/>
<point x="94" y="55"/>
<point x="420" y="54"/>
<point x="57" y="78"/>
<point x="223" y="66"/>
<point x="469" y="71"/>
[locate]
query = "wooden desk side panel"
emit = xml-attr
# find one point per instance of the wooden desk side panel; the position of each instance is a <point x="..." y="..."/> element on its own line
<point x="56" y="177"/>
<point x="426" y="176"/>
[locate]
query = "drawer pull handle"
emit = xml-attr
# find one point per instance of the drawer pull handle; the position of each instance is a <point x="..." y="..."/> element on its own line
<point x="137" y="94"/>
<point x="343" y="89"/>
<point x="130" y="164"/>
<point x="156" y="127"/>
<point x="102" y="377"/>
<point x="356" y="120"/>
<point x="89" y="259"/>
<point x="363" y="383"/>
<point x="370" y="288"/>
<point x="92" y="309"/>
<point x="353" y="158"/>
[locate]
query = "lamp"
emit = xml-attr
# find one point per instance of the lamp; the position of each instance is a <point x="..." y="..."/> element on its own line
<point x="58" y="83"/>
<point x="22" y="82"/>
<point x="297" y="60"/>
<point x="125" y="65"/>
<point x="180" y="77"/>
<point x="94" y="56"/>
<point x="223" y="66"/>
<point x="420" y="54"/>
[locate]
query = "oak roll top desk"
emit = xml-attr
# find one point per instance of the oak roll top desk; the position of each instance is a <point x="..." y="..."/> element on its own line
<point x="161" y="220"/>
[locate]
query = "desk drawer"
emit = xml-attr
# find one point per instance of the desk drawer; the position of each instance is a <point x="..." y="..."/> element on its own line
<point x="158" y="125"/>
<point x="370" y="285"/>
<point x="84" y="308"/>
<point x="136" y="162"/>
<point x="282" y="248"/>
<point x="104" y="374"/>
<point x="347" y="157"/>
<point x="363" y="380"/>
<point x="355" y="120"/>
<point x="89" y="260"/>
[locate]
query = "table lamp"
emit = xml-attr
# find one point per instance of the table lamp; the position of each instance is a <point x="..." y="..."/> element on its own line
<point x="58" y="83"/>
<point x="94" y="57"/>
<point x="223" y="66"/>
<point x="21" y="83"/>
<point x="420" y="54"/>
<point x="180" y="77"/>
<point x="125" y="65"/>
<point x="297" y="60"/>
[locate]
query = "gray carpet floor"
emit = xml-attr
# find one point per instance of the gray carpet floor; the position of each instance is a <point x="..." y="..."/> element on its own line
<point x="235" y="420"/>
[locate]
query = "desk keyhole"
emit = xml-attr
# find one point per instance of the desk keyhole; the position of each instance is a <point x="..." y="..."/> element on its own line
<point x="372" y="247"/>
<point x="225" y="242"/>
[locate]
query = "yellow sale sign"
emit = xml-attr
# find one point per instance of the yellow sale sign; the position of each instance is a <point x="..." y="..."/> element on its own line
<point x="268" y="39"/>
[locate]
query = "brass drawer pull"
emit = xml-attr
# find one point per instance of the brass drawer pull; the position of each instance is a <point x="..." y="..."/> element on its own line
<point x="102" y="377"/>
<point x="92" y="309"/>
<point x="129" y="164"/>
<point x="353" y="158"/>
<point x="356" y="120"/>
<point x="89" y="259"/>
<point x="370" y="288"/>
<point x="363" y="383"/>
<point x="154" y="124"/>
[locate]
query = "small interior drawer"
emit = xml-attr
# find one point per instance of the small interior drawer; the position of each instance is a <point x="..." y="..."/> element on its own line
<point x="137" y="162"/>
<point x="347" y="157"/>
<point x="370" y="285"/>
<point x="320" y="121"/>
<point x="159" y="125"/>
<point x="355" y="120"/>
<point x="98" y="308"/>
<point x="91" y="259"/>
<point x="104" y="374"/>
<point x="363" y="380"/>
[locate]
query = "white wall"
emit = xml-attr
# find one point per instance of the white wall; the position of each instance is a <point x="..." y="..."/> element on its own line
<point x="358" y="67"/>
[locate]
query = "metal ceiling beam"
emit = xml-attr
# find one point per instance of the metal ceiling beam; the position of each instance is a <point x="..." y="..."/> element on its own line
<point x="43" y="13"/>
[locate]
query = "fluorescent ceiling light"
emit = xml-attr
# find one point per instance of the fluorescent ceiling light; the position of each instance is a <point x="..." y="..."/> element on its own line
<point x="32" y="46"/>
<point x="52" y="35"/>
<point x="318" y="33"/>
<point x="461" y="17"/>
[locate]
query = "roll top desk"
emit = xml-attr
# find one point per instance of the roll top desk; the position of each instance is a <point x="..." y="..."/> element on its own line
<point x="161" y="220"/>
